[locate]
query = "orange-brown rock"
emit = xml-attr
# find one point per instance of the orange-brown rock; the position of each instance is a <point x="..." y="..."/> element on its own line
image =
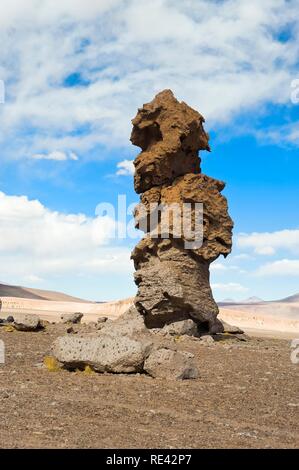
<point x="190" y="188"/>
<point x="172" y="274"/>
<point x="170" y="135"/>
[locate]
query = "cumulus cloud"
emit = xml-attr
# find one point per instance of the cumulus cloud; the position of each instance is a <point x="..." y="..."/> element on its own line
<point x="37" y="243"/>
<point x="56" y="155"/>
<point x="283" y="267"/>
<point x="268" y="243"/>
<point x="82" y="68"/>
<point x="125" y="168"/>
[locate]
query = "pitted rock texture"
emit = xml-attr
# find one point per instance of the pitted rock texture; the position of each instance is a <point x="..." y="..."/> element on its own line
<point x="104" y="353"/>
<point x="168" y="364"/>
<point x="192" y="189"/>
<point x="167" y="131"/>
<point x="172" y="274"/>
<point x="174" y="293"/>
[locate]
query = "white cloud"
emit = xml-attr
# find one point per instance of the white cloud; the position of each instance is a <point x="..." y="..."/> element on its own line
<point x="56" y="155"/>
<point x="123" y="61"/>
<point x="223" y="267"/>
<point x="37" y="243"/>
<point x="229" y="287"/>
<point x="242" y="256"/>
<point x="283" y="267"/>
<point x="268" y="243"/>
<point x="126" y="167"/>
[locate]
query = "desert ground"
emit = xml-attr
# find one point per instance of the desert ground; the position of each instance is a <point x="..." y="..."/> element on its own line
<point x="246" y="394"/>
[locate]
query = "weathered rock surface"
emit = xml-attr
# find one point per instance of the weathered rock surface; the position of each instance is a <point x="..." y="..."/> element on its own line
<point x="27" y="322"/>
<point x="130" y="324"/>
<point x="207" y="340"/>
<point x="172" y="272"/>
<point x="231" y="328"/>
<point x="172" y="260"/>
<point x="71" y="317"/>
<point x="166" y="131"/>
<point x="104" y="353"/>
<point x="168" y="364"/>
<point x="180" y="328"/>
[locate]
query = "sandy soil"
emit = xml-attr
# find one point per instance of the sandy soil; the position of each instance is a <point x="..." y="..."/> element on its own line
<point x="246" y="396"/>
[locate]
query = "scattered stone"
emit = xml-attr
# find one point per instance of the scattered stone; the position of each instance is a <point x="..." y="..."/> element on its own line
<point x="231" y="328"/>
<point x="39" y="365"/>
<point x="180" y="328"/>
<point x="71" y="317"/>
<point x="70" y="330"/>
<point x="242" y="337"/>
<point x="102" y="319"/>
<point x="131" y="324"/>
<point x="10" y="319"/>
<point x="207" y="340"/>
<point x="27" y="322"/>
<point x="104" y="353"/>
<point x="168" y="364"/>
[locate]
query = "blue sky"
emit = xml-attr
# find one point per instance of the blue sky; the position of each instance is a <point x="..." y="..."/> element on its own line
<point x="75" y="76"/>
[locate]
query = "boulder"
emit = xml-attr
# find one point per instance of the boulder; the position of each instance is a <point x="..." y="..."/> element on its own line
<point x="207" y="340"/>
<point x="180" y="328"/>
<point x="168" y="364"/>
<point x="130" y="324"/>
<point x="231" y="329"/>
<point x="71" y="317"/>
<point x="103" y="353"/>
<point x="27" y="322"/>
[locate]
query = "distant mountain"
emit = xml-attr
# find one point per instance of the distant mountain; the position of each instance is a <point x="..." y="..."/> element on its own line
<point x="252" y="300"/>
<point x="35" y="294"/>
<point x="292" y="298"/>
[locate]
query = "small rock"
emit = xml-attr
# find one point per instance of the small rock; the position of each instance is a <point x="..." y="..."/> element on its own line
<point x="168" y="364"/>
<point x="231" y="328"/>
<point x="179" y="328"/>
<point x="131" y="324"/>
<point x="27" y="322"/>
<point x="71" y="317"/>
<point x="242" y="337"/>
<point x="207" y="340"/>
<point x="10" y="319"/>
<point x="102" y="319"/>
<point x="39" y="365"/>
<point x="70" y="330"/>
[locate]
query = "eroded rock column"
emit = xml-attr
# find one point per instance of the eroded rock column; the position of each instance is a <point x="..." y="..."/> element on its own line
<point x="173" y="281"/>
